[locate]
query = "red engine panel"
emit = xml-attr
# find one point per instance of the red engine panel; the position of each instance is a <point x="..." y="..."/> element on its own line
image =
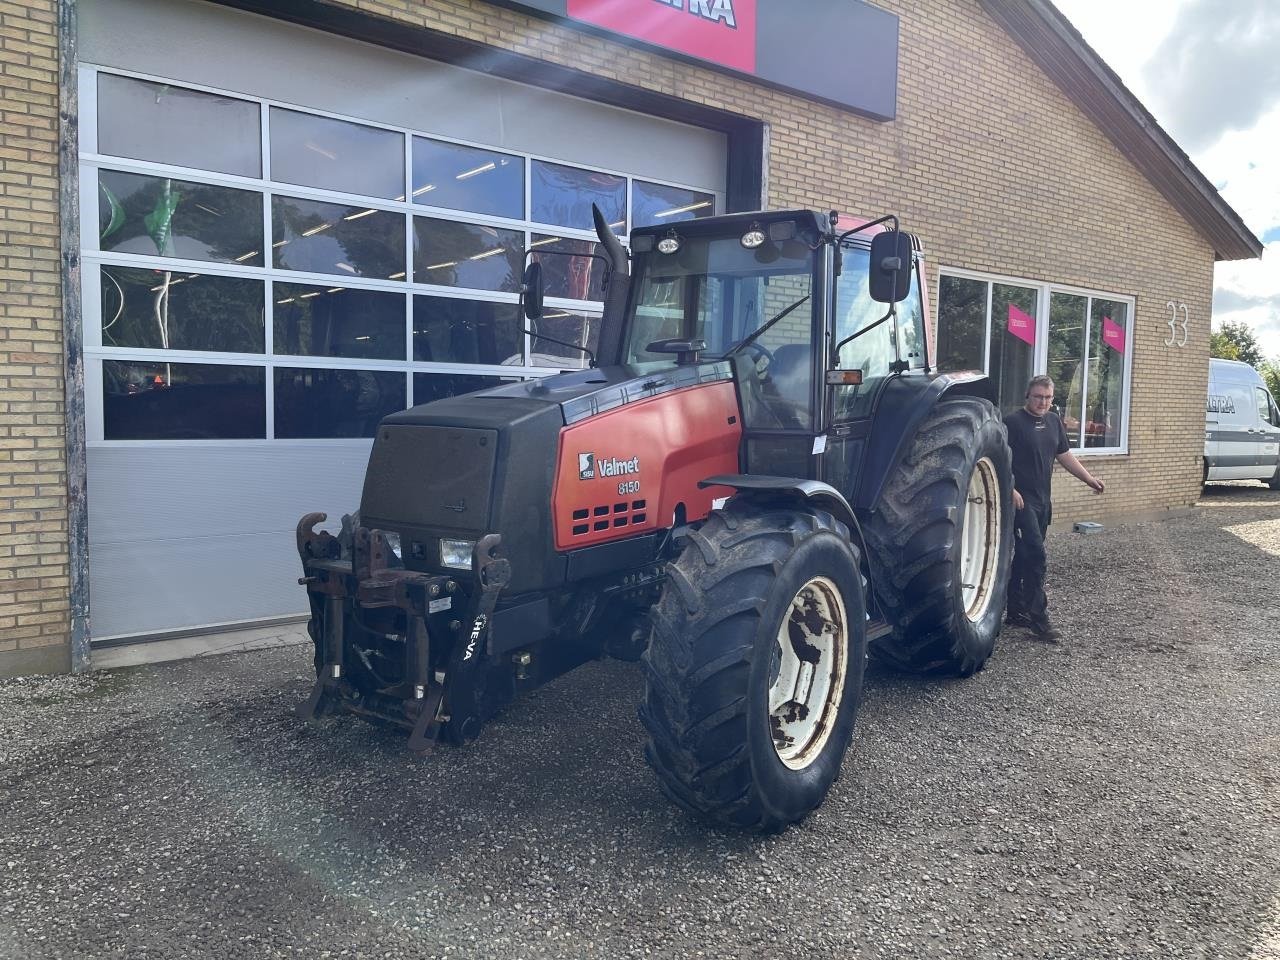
<point x="623" y="472"/>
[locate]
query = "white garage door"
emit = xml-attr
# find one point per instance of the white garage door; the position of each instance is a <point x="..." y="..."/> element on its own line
<point x="288" y="235"/>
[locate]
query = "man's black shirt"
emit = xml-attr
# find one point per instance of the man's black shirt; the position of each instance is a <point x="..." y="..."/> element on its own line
<point x="1035" y="442"/>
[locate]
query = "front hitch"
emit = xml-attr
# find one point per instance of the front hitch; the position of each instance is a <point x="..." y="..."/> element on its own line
<point x="353" y="574"/>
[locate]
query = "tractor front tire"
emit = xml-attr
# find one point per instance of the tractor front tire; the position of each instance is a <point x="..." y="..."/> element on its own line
<point x="754" y="666"/>
<point x="941" y="539"/>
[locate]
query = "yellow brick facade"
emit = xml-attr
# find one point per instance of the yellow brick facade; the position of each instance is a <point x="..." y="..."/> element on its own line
<point x="34" y="554"/>
<point x="988" y="161"/>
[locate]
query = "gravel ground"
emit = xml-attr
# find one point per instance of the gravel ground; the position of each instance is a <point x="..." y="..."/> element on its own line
<point x="1115" y="795"/>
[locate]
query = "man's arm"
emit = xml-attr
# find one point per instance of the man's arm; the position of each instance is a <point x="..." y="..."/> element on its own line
<point x="1077" y="470"/>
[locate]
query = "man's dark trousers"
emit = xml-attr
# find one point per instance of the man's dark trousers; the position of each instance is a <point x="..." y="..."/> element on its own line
<point x="1026" y="577"/>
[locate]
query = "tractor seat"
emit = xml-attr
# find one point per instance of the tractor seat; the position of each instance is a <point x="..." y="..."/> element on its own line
<point x="789" y="381"/>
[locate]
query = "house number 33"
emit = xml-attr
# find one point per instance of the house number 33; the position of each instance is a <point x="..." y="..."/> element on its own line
<point x="1179" y="333"/>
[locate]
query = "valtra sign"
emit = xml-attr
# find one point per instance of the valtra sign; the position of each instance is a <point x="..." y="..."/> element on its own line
<point x="718" y="31"/>
<point x="843" y="52"/>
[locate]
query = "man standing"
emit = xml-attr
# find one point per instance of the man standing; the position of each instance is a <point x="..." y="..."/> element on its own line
<point x="1037" y="438"/>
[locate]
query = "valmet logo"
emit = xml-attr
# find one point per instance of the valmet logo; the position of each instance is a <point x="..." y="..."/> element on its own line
<point x="589" y="467"/>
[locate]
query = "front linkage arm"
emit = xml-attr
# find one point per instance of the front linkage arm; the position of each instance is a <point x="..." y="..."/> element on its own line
<point x="424" y="701"/>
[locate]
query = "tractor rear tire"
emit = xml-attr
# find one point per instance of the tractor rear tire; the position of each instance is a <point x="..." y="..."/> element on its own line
<point x="941" y="540"/>
<point x="754" y="666"/>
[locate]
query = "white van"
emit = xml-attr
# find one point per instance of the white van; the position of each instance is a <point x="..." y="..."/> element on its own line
<point x="1242" y="426"/>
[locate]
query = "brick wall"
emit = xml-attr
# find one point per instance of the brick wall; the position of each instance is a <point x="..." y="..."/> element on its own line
<point x="996" y="170"/>
<point x="34" y="577"/>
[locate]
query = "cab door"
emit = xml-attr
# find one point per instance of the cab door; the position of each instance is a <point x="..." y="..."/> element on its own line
<point x="878" y="344"/>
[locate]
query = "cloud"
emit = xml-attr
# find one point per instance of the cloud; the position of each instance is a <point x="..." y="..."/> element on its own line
<point x="1248" y="291"/>
<point x="1217" y="70"/>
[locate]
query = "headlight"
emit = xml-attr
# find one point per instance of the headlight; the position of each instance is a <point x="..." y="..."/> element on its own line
<point x="393" y="542"/>
<point x="457" y="553"/>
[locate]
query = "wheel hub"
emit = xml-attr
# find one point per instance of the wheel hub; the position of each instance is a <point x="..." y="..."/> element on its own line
<point x="980" y="540"/>
<point x="807" y="673"/>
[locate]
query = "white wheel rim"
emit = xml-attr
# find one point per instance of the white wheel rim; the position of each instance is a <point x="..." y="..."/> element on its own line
<point x="809" y="663"/>
<point x="980" y="540"/>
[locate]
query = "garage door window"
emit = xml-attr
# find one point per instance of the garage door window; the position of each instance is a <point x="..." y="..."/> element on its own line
<point x="338" y="322"/>
<point x="563" y="196"/>
<point x="168" y="310"/>
<point x="163" y="400"/>
<point x="654" y="203"/>
<point x="166" y="217"/>
<point x="467" y="178"/>
<point x="164" y="123"/>
<point x="306" y="292"/>
<point x="336" y="155"/>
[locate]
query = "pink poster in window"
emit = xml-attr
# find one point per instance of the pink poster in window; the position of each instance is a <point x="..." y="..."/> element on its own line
<point x="1113" y="334"/>
<point x="1021" y="325"/>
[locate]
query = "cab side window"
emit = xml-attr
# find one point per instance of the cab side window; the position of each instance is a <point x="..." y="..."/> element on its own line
<point x="872" y="350"/>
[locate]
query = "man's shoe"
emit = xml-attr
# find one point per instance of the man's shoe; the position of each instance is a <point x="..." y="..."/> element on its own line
<point x="1017" y="620"/>
<point x="1045" y="631"/>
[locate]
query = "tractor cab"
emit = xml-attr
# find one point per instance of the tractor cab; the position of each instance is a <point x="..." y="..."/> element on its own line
<point x="813" y="333"/>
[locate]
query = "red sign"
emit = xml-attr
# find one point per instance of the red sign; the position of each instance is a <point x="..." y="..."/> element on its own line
<point x="719" y="31"/>
<point x="1021" y="325"/>
<point x="1113" y="334"/>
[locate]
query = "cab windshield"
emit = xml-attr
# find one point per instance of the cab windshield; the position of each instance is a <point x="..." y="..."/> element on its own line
<point x="716" y="290"/>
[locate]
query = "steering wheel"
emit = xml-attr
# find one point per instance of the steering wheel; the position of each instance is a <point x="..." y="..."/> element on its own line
<point x="759" y="352"/>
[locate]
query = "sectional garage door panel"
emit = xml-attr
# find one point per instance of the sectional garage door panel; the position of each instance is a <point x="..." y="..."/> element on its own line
<point x="189" y="535"/>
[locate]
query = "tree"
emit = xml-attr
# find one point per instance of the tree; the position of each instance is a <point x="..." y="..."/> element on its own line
<point x="1221" y="347"/>
<point x="1270" y="370"/>
<point x="1236" y="341"/>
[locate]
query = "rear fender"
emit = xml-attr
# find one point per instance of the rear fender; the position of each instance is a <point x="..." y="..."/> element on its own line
<point x="902" y="407"/>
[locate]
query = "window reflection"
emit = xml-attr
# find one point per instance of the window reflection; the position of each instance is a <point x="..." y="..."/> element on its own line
<point x="164" y="310"/>
<point x="1104" y="404"/>
<point x="161" y="216"/>
<point x="568" y="327"/>
<point x="157" y="400"/>
<point x="315" y="404"/>
<point x="1066" y="350"/>
<point x="962" y="323"/>
<point x="319" y="237"/>
<point x="164" y="123"/>
<point x="574" y="278"/>
<point x="467" y="255"/>
<point x="467" y="178"/>
<point x="336" y="155"/>
<point x="563" y="195"/>
<point x="654" y="203"/>
<point x="449" y="330"/>
<point x="1012" y="309"/>
<point x="338" y="322"/>
<point x="437" y="386"/>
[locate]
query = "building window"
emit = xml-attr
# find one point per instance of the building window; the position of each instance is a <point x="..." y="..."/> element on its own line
<point x="352" y="270"/>
<point x="1012" y="329"/>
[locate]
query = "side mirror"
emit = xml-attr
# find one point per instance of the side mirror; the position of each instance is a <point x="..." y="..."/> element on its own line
<point x="890" y="279"/>
<point x="531" y="291"/>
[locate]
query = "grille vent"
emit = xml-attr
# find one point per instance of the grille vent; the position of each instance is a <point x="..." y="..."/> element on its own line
<point x="608" y="516"/>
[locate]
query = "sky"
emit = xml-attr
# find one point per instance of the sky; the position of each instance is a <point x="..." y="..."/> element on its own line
<point x="1209" y="72"/>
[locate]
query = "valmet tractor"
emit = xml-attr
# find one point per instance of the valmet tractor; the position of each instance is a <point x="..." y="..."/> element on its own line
<point x="758" y="477"/>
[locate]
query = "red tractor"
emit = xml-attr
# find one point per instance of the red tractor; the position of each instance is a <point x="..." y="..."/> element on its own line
<point x="756" y="481"/>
